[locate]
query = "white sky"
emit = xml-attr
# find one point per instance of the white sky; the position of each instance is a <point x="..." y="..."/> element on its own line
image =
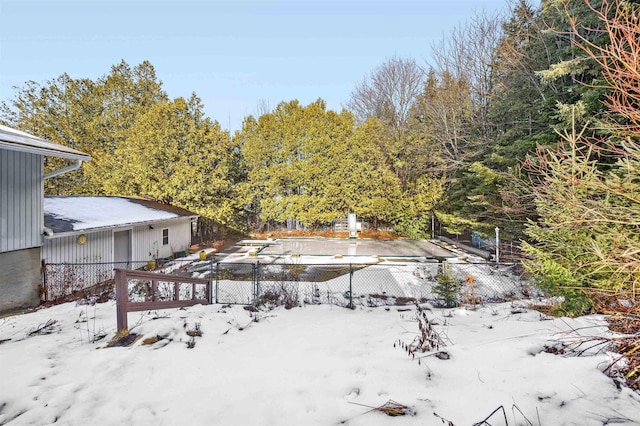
<point x="233" y="54"/>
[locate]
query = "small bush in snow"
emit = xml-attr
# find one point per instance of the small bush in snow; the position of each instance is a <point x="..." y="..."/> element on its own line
<point x="447" y="288"/>
<point x="282" y="294"/>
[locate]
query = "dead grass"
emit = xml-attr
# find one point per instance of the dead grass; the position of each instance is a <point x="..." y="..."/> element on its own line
<point x="610" y="303"/>
<point x="50" y="327"/>
<point x="623" y="315"/>
<point x="391" y="408"/>
<point x="151" y="340"/>
<point x="629" y="349"/>
<point x="627" y="346"/>
<point x="623" y="312"/>
<point x="427" y="341"/>
<point x="123" y="338"/>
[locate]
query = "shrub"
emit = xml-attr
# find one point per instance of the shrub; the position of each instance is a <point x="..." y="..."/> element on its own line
<point x="281" y="294"/>
<point x="447" y="288"/>
<point x="427" y="341"/>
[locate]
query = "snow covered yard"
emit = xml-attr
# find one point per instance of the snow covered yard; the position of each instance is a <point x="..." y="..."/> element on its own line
<point x="305" y="366"/>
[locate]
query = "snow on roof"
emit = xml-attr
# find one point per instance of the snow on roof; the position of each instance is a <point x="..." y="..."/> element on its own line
<point x="16" y="140"/>
<point x="67" y="214"/>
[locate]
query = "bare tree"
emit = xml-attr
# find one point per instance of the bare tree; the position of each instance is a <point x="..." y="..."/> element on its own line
<point x="453" y="108"/>
<point x="619" y="59"/>
<point x="263" y="107"/>
<point x="468" y="55"/>
<point x="445" y="114"/>
<point x="388" y="94"/>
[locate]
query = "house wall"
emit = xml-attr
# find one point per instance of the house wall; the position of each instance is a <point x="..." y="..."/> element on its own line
<point x="19" y="279"/>
<point x="147" y="242"/>
<point x="97" y="249"/>
<point x="21" y="200"/>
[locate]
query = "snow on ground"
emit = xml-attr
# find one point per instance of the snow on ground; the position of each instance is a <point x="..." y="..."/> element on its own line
<point x="305" y="366"/>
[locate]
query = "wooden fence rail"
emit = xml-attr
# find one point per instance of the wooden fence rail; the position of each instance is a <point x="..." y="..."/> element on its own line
<point x="152" y="302"/>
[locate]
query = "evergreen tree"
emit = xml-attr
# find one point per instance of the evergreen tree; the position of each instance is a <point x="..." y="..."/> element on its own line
<point x="314" y="166"/>
<point x="124" y="95"/>
<point x="586" y="188"/>
<point x="91" y="116"/>
<point x="287" y="154"/>
<point x="173" y="154"/>
<point x="542" y="83"/>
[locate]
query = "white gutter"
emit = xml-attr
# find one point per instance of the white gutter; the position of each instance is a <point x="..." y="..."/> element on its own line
<point x="58" y="172"/>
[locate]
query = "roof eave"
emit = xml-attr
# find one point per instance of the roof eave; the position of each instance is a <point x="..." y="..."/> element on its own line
<point x="122" y="225"/>
<point x="15" y="142"/>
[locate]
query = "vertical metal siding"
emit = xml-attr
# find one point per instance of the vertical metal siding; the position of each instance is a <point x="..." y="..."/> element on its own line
<point x="4" y="200"/>
<point x="99" y="245"/>
<point x="21" y="195"/>
<point x="180" y="234"/>
<point x="98" y="248"/>
<point x="147" y="242"/>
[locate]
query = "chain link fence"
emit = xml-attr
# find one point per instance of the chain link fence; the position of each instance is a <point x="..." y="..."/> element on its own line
<point x="444" y="284"/>
<point x="293" y="284"/>
<point x="70" y="281"/>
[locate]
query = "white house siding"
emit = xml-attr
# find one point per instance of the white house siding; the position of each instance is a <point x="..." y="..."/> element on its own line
<point x="71" y="266"/>
<point x="93" y="259"/>
<point x="21" y="206"/>
<point x="179" y="235"/>
<point x="97" y="249"/>
<point x="147" y="242"/>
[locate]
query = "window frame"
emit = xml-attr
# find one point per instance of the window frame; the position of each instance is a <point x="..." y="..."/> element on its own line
<point x="165" y="236"/>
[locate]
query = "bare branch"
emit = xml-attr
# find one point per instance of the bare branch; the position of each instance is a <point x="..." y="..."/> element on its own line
<point x="388" y="93"/>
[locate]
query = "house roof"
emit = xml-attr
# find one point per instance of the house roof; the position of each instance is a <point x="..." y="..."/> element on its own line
<point x="16" y="140"/>
<point x="70" y="214"/>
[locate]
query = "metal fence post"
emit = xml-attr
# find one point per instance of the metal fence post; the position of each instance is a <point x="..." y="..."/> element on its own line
<point x="45" y="288"/>
<point x="253" y="282"/>
<point x="211" y="280"/>
<point x="497" y="245"/>
<point x="257" y="281"/>
<point x="217" y="280"/>
<point x="350" y="286"/>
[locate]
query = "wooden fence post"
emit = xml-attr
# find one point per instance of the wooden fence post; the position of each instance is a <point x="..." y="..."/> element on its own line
<point x="121" y="299"/>
<point x="154" y="290"/>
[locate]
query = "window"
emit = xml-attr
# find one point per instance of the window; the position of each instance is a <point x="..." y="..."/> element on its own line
<point x="165" y="237"/>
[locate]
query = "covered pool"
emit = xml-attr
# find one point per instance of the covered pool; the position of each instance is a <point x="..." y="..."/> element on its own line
<point x="353" y="247"/>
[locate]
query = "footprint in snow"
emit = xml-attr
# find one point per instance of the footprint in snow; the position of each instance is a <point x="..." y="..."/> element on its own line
<point x="353" y="394"/>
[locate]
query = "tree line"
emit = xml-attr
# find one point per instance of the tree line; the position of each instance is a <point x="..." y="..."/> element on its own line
<point x="528" y="121"/>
